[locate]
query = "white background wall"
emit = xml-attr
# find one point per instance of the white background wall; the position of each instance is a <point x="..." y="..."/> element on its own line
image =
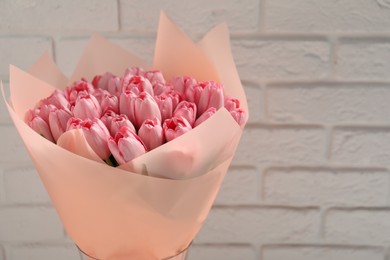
<point x="311" y="177"/>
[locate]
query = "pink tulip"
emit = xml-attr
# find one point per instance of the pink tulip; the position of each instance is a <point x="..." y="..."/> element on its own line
<point x="41" y="127"/>
<point x="81" y="87"/>
<point x="187" y="110"/>
<point x="206" y="115"/>
<point x="175" y="127"/>
<point x="109" y="102"/>
<point x="154" y="76"/>
<point x="231" y="103"/>
<point x="44" y="111"/>
<point x="96" y="134"/>
<point x="165" y="105"/>
<point x="118" y="122"/>
<point x="107" y="118"/>
<point x="126" y="104"/>
<point x="58" y="99"/>
<point x="101" y="81"/>
<point x="138" y="84"/>
<point x="74" y="123"/>
<point x="145" y="107"/>
<point x="151" y="133"/>
<point x="126" y="145"/>
<point x="133" y="71"/>
<point x="58" y="120"/>
<point x="99" y="94"/>
<point x="160" y="88"/>
<point x="114" y="86"/>
<point x="87" y="106"/>
<point x="182" y="84"/>
<point x="175" y="96"/>
<point x="212" y="96"/>
<point x="239" y="115"/>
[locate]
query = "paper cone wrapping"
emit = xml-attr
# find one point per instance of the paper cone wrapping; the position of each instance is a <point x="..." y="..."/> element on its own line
<point x="152" y="207"/>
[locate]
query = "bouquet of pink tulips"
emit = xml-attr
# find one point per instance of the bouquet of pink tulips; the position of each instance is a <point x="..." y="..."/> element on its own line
<point x="171" y="137"/>
<point x="124" y="117"/>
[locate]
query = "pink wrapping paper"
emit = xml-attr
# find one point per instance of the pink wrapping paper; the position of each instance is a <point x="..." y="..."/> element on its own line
<point x="152" y="207"/>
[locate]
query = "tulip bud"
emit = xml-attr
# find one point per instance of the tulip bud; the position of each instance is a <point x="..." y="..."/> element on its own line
<point x="138" y="84"/>
<point x="58" y="99"/>
<point x="44" y="111"/>
<point x="118" y="122"/>
<point x="101" y="81"/>
<point x="126" y="145"/>
<point x="109" y="102"/>
<point x="41" y="127"/>
<point x="165" y="105"/>
<point x="81" y="87"/>
<point x="239" y="115"/>
<point x="58" y="120"/>
<point x="96" y="134"/>
<point x="212" y="96"/>
<point x="160" y="88"/>
<point x="182" y="83"/>
<point x="87" y="106"/>
<point x="206" y="115"/>
<point x="154" y="76"/>
<point x="231" y="103"/>
<point x="73" y="123"/>
<point x="175" y="127"/>
<point x="151" y="133"/>
<point x="145" y="107"/>
<point x="114" y="86"/>
<point x="126" y="104"/>
<point x="107" y="118"/>
<point x="99" y="94"/>
<point x="187" y="110"/>
<point x="174" y="95"/>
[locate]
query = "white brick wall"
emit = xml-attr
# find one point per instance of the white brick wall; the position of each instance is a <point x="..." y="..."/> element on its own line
<point x="310" y="179"/>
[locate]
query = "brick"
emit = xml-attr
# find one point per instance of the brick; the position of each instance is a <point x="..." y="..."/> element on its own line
<point x="259" y="225"/>
<point x="239" y="187"/>
<point x="321" y="253"/>
<point x="329" y="103"/>
<point x="193" y="16"/>
<point x="20" y="51"/>
<point x="70" y="49"/>
<point x="58" y="252"/>
<point x="60" y="15"/>
<point x="255" y="101"/>
<point x="281" y="145"/>
<point x="363" y="59"/>
<point x="12" y="149"/>
<point x="281" y="59"/>
<point x="363" y="226"/>
<point x="327" y="16"/>
<point x="214" y="252"/>
<point x="23" y="186"/>
<point x="325" y="187"/>
<point x="30" y="224"/>
<point x="361" y="146"/>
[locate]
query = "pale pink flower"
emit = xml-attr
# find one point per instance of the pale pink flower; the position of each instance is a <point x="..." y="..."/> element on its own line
<point x="126" y="145"/>
<point x="58" y="99"/>
<point x="87" y="106"/>
<point x="187" y="110"/>
<point x="44" y="111"/>
<point x="154" y="76"/>
<point x="107" y="117"/>
<point x="165" y="105"/>
<point x="126" y="104"/>
<point x="151" y="133"/>
<point x="58" y="120"/>
<point x="211" y="96"/>
<point x="206" y="115"/>
<point x="118" y="122"/>
<point x="74" y="123"/>
<point x="109" y="102"/>
<point x="160" y="88"/>
<point x="231" y="103"/>
<point x="80" y="87"/>
<point x="97" y="134"/>
<point x="174" y="95"/>
<point x="138" y="84"/>
<point x="184" y="84"/>
<point x="101" y="81"/>
<point x="239" y="115"/>
<point x="175" y="127"/>
<point x="41" y="127"/>
<point x="114" y="86"/>
<point x="145" y="107"/>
